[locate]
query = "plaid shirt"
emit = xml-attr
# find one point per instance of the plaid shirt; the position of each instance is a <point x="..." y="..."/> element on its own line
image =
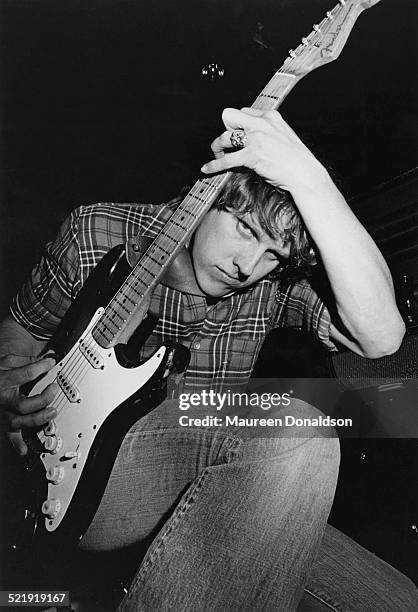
<point x="224" y="339"/>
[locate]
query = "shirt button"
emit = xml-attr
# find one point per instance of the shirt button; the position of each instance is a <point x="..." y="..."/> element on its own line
<point x="196" y="345"/>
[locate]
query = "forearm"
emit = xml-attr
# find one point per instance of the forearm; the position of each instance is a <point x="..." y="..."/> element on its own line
<point x="16" y="340"/>
<point x="358" y="275"/>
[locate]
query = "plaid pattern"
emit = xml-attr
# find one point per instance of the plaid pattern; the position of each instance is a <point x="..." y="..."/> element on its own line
<point x="224" y="339"/>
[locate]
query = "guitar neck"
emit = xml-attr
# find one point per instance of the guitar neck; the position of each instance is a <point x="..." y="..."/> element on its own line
<point x="321" y="46"/>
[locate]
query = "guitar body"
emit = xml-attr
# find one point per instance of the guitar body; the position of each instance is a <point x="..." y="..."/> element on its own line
<point x="102" y="392"/>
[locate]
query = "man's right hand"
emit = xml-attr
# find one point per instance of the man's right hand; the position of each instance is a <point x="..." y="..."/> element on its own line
<point x="17" y="410"/>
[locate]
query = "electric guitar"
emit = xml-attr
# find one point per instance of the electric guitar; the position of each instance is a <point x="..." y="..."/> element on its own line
<point x="102" y="388"/>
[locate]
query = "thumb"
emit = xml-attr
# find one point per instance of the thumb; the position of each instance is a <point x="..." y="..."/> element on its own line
<point x="17" y="442"/>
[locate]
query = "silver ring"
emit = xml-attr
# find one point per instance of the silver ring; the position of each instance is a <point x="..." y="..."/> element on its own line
<point x="238" y="139"/>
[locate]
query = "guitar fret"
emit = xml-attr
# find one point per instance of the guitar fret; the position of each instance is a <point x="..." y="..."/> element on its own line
<point x="155" y="260"/>
<point x="178" y="225"/>
<point x="145" y="270"/>
<point x="199" y="198"/>
<point x="164" y="250"/>
<point x="268" y="96"/>
<point x="131" y="300"/>
<point x="124" y="308"/>
<point x="104" y="325"/>
<point x="171" y="238"/>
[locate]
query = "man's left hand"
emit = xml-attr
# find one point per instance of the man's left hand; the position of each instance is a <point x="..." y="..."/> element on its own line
<point x="272" y="150"/>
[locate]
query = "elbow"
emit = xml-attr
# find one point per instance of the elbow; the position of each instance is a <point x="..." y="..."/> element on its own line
<point x="388" y="341"/>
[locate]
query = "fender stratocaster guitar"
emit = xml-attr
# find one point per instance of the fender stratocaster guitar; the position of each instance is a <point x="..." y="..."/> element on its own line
<point x="101" y="391"/>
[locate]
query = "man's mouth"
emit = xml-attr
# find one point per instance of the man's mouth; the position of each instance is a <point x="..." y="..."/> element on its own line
<point x="229" y="277"/>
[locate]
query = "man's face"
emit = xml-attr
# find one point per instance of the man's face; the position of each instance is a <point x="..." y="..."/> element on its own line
<point x="231" y="251"/>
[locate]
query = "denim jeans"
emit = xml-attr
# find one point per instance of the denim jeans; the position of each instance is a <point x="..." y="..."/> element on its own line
<point x="236" y="517"/>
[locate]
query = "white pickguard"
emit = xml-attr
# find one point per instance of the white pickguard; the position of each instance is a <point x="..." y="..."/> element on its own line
<point x="96" y="391"/>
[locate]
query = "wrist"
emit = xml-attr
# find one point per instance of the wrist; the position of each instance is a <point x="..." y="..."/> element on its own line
<point x="316" y="184"/>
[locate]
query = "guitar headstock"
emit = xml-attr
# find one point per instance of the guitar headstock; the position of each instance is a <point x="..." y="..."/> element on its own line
<point x="327" y="39"/>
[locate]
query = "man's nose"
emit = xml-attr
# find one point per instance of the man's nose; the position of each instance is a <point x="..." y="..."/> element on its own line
<point x="247" y="260"/>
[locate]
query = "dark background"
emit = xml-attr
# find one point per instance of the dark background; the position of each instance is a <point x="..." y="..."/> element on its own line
<point x="105" y="100"/>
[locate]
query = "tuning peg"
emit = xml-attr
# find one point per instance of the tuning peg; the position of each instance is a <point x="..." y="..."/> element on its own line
<point x="342" y="2"/>
<point x="330" y="15"/>
<point x="305" y="41"/>
<point x="292" y="53"/>
<point x="316" y="28"/>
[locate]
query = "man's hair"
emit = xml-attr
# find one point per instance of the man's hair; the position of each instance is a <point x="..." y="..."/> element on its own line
<point x="245" y="192"/>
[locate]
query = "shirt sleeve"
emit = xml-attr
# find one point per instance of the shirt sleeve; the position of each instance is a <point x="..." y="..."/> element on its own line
<point x="46" y="295"/>
<point x="299" y="306"/>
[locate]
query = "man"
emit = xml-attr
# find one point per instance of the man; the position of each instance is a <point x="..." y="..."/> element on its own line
<point x="236" y="515"/>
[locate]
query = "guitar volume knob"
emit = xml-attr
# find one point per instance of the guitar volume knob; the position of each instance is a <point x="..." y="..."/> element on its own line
<point x="50" y="428"/>
<point x="55" y="473"/>
<point x="51" y="508"/>
<point x="53" y="444"/>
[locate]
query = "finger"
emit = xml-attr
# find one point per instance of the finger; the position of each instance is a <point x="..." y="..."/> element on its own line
<point x="220" y="144"/>
<point x="26" y="405"/>
<point x="255" y="112"/>
<point x="35" y="419"/>
<point x="235" y="119"/>
<point x="15" y="361"/>
<point x="18" y="443"/>
<point x="271" y="116"/>
<point x="23" y="374"/>
<point x="231" y="160"/>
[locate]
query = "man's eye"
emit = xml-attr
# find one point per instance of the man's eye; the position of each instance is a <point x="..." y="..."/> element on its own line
<point x="245" y="228"/>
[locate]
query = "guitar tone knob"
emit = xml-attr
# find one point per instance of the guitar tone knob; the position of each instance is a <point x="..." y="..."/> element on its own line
<point x="55" y="473"/>
<point x="53" y="444"/>
<point x="51" y="508"/>
<point x="50" y="428"/>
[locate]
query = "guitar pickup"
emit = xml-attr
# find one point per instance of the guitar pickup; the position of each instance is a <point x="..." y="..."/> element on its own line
<point x="91" y="354"/>
<point x="68" y="388"/>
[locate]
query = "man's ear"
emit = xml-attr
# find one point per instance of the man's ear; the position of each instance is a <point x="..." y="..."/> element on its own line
<point x="312" y="257"/>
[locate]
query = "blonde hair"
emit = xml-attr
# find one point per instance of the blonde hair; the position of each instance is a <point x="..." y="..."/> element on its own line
<point x="276" y="211"/>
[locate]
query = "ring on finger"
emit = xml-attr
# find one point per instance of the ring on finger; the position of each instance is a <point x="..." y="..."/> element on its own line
<point x="238" y="139"/>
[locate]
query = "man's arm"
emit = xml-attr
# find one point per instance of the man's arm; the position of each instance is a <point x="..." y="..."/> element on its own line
<point x="19" y="364"/>
<point x="358" y="275"/>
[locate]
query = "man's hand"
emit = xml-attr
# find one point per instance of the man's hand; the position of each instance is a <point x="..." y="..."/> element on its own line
<point x="17" y="410"/>
<point x="273" y="150"/>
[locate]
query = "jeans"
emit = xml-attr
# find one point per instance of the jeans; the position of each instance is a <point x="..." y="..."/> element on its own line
<point x="237" y="517"/>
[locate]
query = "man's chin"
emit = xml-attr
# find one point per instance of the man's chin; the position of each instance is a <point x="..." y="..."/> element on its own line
<point x="212" y="288"/>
